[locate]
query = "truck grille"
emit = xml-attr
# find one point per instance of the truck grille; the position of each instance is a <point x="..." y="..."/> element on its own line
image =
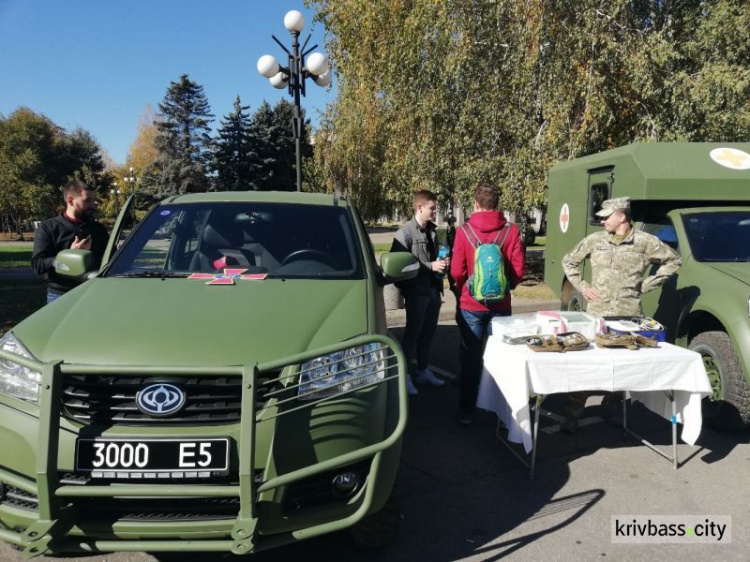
<point x="110" y="399"/>
<point x="126" y="509"/>
<point x="20" y="499"/>
<point x="164" y="510"/>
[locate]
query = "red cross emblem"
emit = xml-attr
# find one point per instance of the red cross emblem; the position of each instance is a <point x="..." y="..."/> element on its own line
<point x="228" y="277"/>
<point x="564" y="218"/>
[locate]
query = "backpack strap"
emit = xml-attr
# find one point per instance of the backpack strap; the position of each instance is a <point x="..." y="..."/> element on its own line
<point x="507" y="230"/>
<point x="466" y="228"/>
<point x="479" y="242"/>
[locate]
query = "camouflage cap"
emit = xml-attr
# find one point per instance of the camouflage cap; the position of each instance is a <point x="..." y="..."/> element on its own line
<point x="612" y="205"/>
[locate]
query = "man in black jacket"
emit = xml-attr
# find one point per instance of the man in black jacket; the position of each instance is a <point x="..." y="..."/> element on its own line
<point x="74" y="229"/>
<point x="422" y="295"/>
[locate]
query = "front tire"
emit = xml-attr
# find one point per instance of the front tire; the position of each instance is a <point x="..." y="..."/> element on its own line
<point x="728" y="407"/>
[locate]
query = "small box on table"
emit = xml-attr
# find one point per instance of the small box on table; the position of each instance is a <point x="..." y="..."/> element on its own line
<point x="517" y="325"/>
<point x="561" y="321"/>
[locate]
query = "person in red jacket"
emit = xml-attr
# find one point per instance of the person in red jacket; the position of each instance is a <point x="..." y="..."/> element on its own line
<point x="473" y="318"/>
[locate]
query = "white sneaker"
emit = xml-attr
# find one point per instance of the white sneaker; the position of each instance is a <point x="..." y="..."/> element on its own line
<point x="428" y="378"/>
<point x="410" y="388"/>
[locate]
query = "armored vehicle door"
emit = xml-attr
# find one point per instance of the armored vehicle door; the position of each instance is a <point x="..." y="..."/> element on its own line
<point x="600" y="189"/>
<point x="662" y="303"/>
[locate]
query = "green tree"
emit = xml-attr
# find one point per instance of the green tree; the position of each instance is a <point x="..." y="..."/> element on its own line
<point x="37" y="158"/>
<point x="272" y="149"/>
<point x="231" y="158"/>
<point x="183" y="142"/>
<point x="445" y="94"/>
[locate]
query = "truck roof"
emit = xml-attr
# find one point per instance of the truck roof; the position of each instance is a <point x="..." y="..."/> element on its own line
<point x="668" y="171"/>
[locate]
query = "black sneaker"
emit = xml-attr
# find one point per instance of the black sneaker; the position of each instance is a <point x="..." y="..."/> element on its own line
<point x="464" y="419"/>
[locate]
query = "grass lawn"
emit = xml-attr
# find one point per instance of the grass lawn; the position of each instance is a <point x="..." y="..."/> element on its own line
<point x="20" y="298"/>
<point x="16" y="255"/>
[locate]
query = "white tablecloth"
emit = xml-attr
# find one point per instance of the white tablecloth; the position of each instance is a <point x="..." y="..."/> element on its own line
<point x="514" y="372"/>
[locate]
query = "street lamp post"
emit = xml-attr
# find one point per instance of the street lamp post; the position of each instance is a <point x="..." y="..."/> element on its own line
<point x="294" y="74"/>
<point x="131" y="179"/>
<point x="116" y="194"/>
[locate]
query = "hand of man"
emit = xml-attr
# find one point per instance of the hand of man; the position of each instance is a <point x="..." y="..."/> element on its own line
<point x="81" y="243"/>
<point x="438" y="266"/>
<point x="591" y="295"/>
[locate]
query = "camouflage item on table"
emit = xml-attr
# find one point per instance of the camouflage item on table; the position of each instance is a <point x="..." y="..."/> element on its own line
<point x="618" y="270"/>
<point x="560" y="343"/>
<point x="631" y="341"/>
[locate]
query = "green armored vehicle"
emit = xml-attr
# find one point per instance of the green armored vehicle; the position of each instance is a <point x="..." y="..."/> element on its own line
<point x="224" y="383"/>
<point x="696" y="198"/>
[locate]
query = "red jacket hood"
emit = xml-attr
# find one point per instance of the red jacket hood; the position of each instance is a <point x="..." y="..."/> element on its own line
<point x="487" y="221"/>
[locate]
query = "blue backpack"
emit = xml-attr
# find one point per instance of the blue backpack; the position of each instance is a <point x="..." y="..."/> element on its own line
<point x="488" y="283"/>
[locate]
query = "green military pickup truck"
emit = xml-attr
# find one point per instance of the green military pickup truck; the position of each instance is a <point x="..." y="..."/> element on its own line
<point x="225" y="383"/>
<point x="696" y="198"/>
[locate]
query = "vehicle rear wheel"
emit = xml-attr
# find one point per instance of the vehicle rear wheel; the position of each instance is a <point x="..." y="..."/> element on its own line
<point x="379" y="529"/>
<point x="576" y="302"/>
<point x="728" y="407"/>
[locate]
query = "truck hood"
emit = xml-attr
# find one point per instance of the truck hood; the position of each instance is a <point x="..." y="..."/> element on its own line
<point x="115" y="321"/>
<point x="740" y="270"/>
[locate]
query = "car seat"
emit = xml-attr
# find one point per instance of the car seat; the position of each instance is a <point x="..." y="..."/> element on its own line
<point x="221" y="246"/>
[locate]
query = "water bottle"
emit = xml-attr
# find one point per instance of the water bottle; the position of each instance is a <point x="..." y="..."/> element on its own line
<point x="443" y="252"/>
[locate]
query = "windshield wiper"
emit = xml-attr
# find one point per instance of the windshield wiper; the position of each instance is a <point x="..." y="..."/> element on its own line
<point x="152" y="273"/>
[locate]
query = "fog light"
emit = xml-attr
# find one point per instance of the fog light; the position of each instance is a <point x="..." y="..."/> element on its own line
<point x="345" y="484"/>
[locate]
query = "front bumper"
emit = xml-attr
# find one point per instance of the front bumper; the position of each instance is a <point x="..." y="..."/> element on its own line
<point x="65" y="519"/>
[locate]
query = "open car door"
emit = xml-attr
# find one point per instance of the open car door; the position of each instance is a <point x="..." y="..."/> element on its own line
<point x="122" y="229"/>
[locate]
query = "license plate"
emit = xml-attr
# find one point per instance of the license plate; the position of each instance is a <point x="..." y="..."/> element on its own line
<point x="152" y="458"/>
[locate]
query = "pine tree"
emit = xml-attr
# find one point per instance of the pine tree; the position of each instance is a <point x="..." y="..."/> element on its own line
<point x="183" y="141"/>
<point x="231" y="159"/>
<point x="272" y="147"/>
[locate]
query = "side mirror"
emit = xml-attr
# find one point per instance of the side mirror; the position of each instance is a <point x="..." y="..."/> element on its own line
<point x="74" y="263"/>
<point x="399" y="266"/>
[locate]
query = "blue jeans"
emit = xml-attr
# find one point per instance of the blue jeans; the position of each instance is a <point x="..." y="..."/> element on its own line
<point x="474" y="328"/>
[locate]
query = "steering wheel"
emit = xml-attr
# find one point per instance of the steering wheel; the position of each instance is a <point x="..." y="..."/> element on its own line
<point x="316" y="255"/>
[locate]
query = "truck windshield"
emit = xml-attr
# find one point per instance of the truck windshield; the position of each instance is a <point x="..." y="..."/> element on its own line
<point x="280" y="240"/>
<point x="719" y="236"/>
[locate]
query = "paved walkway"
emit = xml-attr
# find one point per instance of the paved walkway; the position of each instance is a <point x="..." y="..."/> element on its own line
<point x="397" y="317"/>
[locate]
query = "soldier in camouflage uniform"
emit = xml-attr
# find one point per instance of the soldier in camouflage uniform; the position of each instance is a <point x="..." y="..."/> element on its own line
<point x="620" y="257"/>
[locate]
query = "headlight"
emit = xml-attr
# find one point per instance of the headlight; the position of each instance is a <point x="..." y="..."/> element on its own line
<point x="341" y="371"/>
<point x="16" y="380"/>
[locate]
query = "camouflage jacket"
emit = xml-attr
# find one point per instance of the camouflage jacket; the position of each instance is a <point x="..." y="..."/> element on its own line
<point x="618" y="270"/>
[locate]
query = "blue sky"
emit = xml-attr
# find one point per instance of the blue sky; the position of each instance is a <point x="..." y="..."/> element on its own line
<point x="96" y="64"/>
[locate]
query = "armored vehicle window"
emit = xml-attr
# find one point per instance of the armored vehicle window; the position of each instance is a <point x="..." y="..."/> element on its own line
<point x="663" y="230"/>
<point x="719" y="236"/>
<point x="280" y="240"/>
<point x="599" y="194"/>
